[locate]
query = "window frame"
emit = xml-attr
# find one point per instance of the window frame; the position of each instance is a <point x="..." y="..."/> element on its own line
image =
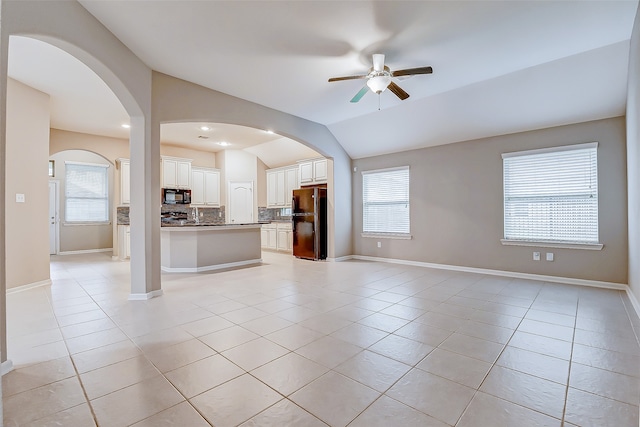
<point x="106" y="167"/>
<point x="384" y="234"/>
<point x="542" y="242"/>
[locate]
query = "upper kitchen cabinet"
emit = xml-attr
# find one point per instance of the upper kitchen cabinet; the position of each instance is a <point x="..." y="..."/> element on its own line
<point x="205" y="187"/>
<point x="125" y="181"/>
<point x="280" y="185"/>
<point x="176" y="173"/>
<point x="313" y="172"/>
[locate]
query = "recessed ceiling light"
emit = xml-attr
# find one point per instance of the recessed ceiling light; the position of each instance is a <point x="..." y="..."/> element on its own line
<point x="224" y="143"/>
<point x="205" y="128"/>
<point x="126" y="126"/>
<point x="270" y="132"/>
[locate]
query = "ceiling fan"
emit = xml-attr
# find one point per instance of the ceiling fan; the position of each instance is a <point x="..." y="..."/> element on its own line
<point x="379" y="78"/>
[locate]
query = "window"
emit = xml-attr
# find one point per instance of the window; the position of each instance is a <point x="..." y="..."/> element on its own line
<point x="551" y="196"/>
<point x="385" y="200"/>
<point x="86" y="193"/>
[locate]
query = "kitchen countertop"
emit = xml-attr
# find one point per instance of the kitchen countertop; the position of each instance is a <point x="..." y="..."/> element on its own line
<point x="187" y="223"/>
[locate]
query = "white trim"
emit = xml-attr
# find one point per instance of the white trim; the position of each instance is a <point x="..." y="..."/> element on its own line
<point x="398" y="168"/>
<point x="211" y="267"/>
<point x="542" y="244"/>
<point x="399" y="236"/>
<point x="144" y="297"/>
<point x="583" y="146"/>
<point x="102" y="165"/>
<point x="514" y="274"/>
<point x="29" y="286"/>
<point x="6" y="367"/>
<point x="634" y="301"/>
<point x="85" y="251"/>
<point x="340" y="258"/>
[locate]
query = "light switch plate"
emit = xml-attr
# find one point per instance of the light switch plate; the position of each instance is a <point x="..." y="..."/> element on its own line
<point x="549" y="256"/>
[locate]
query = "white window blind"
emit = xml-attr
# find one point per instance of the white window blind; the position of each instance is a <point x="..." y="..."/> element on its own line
<point x="86" y="192"/>
<point x="551" y="195"/>
<point x="385" y="199"/>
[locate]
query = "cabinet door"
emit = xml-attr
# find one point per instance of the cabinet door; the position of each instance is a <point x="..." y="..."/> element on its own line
<point x="184" y="174"/>
<point x="127" y="242"/>
<point x="272" y="188"/>
<point x="169" y="173"/>
<point x="291" y="178"/>
<point x="125" y="183"/>
<point x="320" y="170"/>
<point x="283" y="240"/>
<point x="306" y="172"/>
<point x="280" y="188"/>
<point x="290" y="241"/>
<point x="264" y="238"/>
<point x="273" y="238"/>
<point x="198" y="187"/>
<point x="212" y="188"/>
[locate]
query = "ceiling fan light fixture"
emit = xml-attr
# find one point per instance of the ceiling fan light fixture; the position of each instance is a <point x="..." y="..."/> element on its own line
<point x="379" y="83"/>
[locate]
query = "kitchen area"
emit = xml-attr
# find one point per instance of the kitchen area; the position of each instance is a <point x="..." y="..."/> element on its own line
<point x="225" y="216"/>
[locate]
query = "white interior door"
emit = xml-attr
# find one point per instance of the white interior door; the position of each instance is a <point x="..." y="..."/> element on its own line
<point x="240" y="202"/>
<point x="53" y="218"/>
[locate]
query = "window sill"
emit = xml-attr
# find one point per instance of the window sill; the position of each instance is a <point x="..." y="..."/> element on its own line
<point x="561" y="245"/>
<point x="399" y="236"/>
<point x="73" y="224"/>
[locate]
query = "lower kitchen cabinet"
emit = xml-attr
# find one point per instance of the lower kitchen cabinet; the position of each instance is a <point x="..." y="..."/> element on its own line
<point x="277" y="236"/>
<point x="124" y="240"/>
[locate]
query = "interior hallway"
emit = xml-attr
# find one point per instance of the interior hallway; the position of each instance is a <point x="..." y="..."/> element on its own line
<point x="300" y="343"/>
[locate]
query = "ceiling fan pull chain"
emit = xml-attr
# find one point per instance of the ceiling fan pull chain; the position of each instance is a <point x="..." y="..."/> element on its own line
<point x="379" y="101"/>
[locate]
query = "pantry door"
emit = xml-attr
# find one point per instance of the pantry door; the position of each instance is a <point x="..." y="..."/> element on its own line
<point x="240" y="202"/>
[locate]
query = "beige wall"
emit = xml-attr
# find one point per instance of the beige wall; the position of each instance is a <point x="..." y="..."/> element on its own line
<point x="27" y="225"/>
<point x="83" y="237"/>
<point x="457" y="205"/>
<point x="205" y="159"/>
<point x="238" y="166"/>
<point x="633" y="159"/>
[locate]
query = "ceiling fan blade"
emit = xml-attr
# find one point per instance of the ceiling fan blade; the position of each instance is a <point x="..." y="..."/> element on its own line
<point x="337" y="79"/>
<point x="378" y="62"/>
<point x="360" y="94"/>
<point x="412" y="71"/>
<point x="399" y="92"/>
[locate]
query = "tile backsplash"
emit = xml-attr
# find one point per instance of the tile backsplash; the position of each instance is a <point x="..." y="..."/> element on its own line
<point x="206" y="215"/>
<point x="274" y="214"/>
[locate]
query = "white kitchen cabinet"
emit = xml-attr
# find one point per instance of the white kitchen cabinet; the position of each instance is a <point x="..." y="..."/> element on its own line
<point x="205" y="187"/>
<point x="124" y="241"/>
<point x="269" y="235"/>
<point x="125" y="181"/>
<point x="280" y="185"/>
<point x="277" y="236"/>
<point x="176" y="173"/>
<point x="285" y="237"/>
<point x="313" y="172"/>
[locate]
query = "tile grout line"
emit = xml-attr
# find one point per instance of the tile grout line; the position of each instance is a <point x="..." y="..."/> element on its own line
<point x="573" y="339"/>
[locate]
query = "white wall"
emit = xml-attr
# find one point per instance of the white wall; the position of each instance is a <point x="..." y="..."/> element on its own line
<point x="27" y="231"/>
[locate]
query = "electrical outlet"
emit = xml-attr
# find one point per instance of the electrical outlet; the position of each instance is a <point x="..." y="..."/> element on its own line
<point x="379" y="244"/>
<point x="549" y="256"/>
<point x="19" y="198"/>
<point x="536" y="256"/>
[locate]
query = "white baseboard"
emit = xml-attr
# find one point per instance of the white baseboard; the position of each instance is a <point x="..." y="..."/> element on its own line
<point x="634" y="301"/>
<point x="514" y="274"/>
<point x="340" y="258"/>
<point x="144" y="297"/>
<point x="29" y="286"/>
<point x="211" y="267"/>
<point x="85" y="251"/>
<point x="6" y="367"/>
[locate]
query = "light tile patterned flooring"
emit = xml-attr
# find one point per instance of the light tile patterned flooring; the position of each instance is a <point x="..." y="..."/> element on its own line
<point x="298" y="343"/>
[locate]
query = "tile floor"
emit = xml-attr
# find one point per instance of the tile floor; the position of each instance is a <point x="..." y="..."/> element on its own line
<point x="298" y="343"/>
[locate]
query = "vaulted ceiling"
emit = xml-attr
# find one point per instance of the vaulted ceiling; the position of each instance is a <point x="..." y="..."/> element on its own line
<point x="499" y="66"/>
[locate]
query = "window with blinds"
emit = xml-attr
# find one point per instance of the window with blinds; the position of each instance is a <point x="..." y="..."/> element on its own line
<point x="86" y="193"/>
<point x="385" y="200"/>
<point x="551" y="195"/>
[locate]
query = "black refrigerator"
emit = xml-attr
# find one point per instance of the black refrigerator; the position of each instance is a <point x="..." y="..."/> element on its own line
<point x="309" y="216"/>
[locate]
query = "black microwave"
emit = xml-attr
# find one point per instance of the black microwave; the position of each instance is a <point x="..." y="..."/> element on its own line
<point x="171" y="196"/>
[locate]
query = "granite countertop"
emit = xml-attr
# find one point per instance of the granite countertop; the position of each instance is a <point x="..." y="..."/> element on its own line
<point x="191" y="223"/>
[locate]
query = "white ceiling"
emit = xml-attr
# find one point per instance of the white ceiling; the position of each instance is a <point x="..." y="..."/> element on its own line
<point x="499" y="66"/>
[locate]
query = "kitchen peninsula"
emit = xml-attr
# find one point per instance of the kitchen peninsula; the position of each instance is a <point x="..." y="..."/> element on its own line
<point x="195" y="240"/>
<point x="192" y="248"/>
